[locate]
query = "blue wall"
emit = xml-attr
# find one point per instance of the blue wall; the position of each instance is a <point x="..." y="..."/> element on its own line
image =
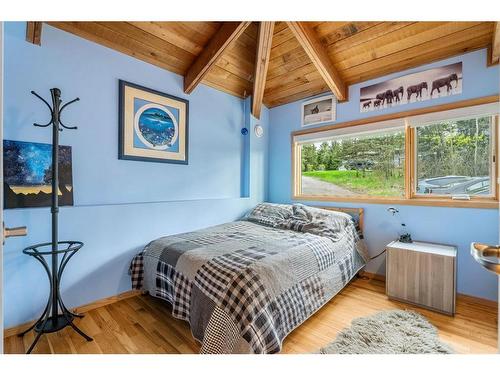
<point x="445" y="225"/>
<point x="119" y="205"/>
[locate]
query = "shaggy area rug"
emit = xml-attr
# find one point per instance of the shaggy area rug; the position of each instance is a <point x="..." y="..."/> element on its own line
<point x="388" y="332"/>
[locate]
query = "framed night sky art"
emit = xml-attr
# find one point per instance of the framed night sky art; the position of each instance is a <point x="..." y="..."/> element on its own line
<point x="27" y="169"/>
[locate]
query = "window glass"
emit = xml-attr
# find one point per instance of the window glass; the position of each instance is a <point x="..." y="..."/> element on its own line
<point x="355" y="165"/>
<point x="454" y="157"/>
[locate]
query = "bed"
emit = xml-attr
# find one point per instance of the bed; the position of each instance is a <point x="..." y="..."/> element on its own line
<point x="244" y="286"/>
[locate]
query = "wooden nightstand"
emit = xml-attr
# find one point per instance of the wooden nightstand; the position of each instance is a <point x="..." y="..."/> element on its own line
<point x="423" y="274"/>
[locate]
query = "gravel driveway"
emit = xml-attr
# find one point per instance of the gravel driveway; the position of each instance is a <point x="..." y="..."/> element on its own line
<point x="313" y="186"/>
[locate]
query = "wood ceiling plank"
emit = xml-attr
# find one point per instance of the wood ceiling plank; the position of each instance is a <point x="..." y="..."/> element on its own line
<point x="462" y="47"/>
<point x="239" y="59"/>
<point x="305" y="91"/>
<point x="34" y="32"/>
<point x="365" y="36"/>
<point x="227" y="82"/>
<point x="313" y="82"/>
<point x="316" y="52"/>
<point x="106" y="37"/>
<point x="358" y="50"/>
<point x="407" y="37"/>
<point x="285" y="54"/>
<point x="223" y="38"/>
<point x="299" y="60"/>
<point x="282" y="61"/>
<point x="459" y="48"/>
<point x="241" y="68"/>
<point x="285" y="92"/>
<point x="495" y="45"/>
<point x="242" y="51"/>
<point x="281" y="34"/>
<point x="286" y="47"/>
<point x="299" y="75"/>
<point x="442" y="48"/>
<point x="333" y="32"/>
<point x="131" y="31"/>
<point x="264" y="42"/>
<point x="190" y="36"/>
<point x="279" y="26"/>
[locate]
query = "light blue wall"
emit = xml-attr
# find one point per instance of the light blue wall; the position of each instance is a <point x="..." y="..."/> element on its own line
<point x="445" y="225"/>
<point x="119" y="205"/>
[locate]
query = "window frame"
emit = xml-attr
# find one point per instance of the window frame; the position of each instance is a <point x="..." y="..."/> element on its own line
<point x="493" y="174"/>
<point x="410" y="195"/>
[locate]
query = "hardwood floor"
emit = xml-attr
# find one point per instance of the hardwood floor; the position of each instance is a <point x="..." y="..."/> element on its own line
<point x="143" y="324"/>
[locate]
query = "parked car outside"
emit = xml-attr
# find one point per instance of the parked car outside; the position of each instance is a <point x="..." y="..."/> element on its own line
<point x="454" y="185"/>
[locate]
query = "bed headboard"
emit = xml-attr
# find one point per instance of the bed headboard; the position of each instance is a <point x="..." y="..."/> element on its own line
<point x="356" y="213"/>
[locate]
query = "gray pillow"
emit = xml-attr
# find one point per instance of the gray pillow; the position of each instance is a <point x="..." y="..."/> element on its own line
<point x="319" y="221"/>
<point x="270" y="214"/>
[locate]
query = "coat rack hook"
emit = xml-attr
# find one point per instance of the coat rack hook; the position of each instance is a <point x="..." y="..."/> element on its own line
<point x="68" y="103"/>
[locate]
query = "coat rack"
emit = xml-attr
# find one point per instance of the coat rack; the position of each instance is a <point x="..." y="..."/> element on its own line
<point x="56" y="315"/>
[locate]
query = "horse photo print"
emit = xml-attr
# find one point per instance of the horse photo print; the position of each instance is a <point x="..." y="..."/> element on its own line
<point x="429" y="84"/>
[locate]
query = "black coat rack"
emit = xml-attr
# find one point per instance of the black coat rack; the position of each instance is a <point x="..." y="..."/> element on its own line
<point x="55" y="316"/>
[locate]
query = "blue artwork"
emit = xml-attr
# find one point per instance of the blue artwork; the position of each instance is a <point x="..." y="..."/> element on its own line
<point x="157" y="127"/>
<point x="153" y="125"/>
<point x="27" y="169"/>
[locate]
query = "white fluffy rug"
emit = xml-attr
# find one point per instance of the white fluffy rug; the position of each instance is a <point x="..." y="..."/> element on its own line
<point x="388" y="332"/>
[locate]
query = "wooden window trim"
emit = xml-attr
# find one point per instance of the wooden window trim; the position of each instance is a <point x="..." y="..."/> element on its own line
<point x="409" y="197"/>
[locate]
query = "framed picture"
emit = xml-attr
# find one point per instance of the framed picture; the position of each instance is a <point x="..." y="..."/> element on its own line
<point x="416" y="87"/>
<point x="153" y="125"/>
<point x="27" y="172"/>
<point x="319" y="110"/>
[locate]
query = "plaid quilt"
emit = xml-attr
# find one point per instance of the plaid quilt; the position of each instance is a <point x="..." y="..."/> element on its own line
<point x="243" y="286"/>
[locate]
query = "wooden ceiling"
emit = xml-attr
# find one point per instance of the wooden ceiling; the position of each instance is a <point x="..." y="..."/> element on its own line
<point x="295" y="60"/>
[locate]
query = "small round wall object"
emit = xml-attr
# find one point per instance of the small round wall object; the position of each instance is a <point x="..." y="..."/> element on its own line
<point x="244" y="131"/>
<point x="258" y="130"/>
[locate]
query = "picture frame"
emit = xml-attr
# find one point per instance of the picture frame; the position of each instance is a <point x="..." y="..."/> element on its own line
<point x="429" y="84"/>
<point x="27" y="175"/>
<point x="153" y="125"/>
<point x="319" y="111"/>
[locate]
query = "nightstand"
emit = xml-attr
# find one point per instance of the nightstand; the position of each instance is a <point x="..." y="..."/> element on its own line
<point x="422" y="274"/>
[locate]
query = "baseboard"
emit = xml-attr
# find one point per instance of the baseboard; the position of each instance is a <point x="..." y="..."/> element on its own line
<point x="463" y="297"/>
<point x="372" y="276"/>
<point x="79" y="310"/>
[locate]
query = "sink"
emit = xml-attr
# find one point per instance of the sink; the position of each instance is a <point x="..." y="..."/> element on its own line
<point x="486" y="255"/>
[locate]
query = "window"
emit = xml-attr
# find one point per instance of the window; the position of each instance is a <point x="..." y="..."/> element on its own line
<point x="432" y="157"/>
<point x="355" y="165"/>
<point x="455" y="158"/>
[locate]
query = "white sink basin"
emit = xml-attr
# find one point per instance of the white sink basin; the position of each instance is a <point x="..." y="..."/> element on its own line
<point x="486" y="255"/>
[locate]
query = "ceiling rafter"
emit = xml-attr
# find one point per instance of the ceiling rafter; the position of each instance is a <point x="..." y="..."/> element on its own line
<point x="495" y="45"/>
<point x="357" y="50"/>
<point x="317" y="53"/>
<point x="264" y="42"/>
<point x="220" y="42"/>
<point x="34" y="33"/>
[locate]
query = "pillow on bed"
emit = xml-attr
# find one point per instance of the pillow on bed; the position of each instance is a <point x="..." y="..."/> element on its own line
<point x="319" y="221"/>
<point x="270" y="214"/>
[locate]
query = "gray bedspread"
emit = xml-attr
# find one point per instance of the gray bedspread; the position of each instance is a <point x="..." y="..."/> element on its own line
<point x="243" y="286"/>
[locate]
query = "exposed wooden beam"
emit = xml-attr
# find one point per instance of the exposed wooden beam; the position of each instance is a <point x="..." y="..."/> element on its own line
<point x="495" y="45"/>
<point x="264" y="41"/>
<point x="221" y="41"/>
<point x="319" y="57"/>
<point x="34" y="32"/>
